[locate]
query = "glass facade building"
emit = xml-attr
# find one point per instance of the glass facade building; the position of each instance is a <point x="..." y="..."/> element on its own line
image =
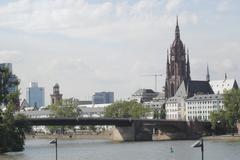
<point x="35" y="95"/>
<point x="103" y="97"/>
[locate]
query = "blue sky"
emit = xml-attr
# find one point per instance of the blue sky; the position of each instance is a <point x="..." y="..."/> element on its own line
<point x="98" y="45"/>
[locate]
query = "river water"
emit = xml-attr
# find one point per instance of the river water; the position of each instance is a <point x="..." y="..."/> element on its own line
<point x="40" y="149"/>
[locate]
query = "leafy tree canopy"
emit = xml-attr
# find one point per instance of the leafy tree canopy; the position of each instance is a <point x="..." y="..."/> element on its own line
<point x="67" y="109"/>
<point x="228" y="118"/>
<point x="11" y="136"/>
<point x="126" y="109"/>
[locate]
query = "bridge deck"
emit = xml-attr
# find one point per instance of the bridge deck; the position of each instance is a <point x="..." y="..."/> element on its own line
<point x="97" y="121"/>
<point x="75" y="121"/>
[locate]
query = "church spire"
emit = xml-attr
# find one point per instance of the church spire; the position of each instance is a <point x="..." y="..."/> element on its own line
<point x="208" y="75"/>
<point x="168" y="70"/>
<point x="225" y="77"/>
<point x="177" y="31"/>
<point x="188" y="67"/>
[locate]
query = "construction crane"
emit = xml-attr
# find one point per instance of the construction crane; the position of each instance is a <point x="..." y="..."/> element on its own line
<point x="155" y="77"/>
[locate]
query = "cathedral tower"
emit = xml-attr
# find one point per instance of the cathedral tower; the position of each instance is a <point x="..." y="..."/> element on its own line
<point x="178" y="66"/>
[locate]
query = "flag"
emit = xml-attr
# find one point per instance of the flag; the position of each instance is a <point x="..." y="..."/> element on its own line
<point x="198" y="144"/>
<point x="54" y="141"/>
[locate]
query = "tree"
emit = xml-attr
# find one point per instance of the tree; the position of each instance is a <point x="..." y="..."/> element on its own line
<point x="126" y="109"/>
<point x="163" y="112"/>
<point x="11" y="136"/>
<point x="67" y="109"/>
<point x="156" y="114"/>
<point x="232" y="107"/>
<point x="219" y="122"/>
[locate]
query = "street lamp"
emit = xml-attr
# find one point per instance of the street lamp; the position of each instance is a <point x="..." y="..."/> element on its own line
<point x="54" y="141"/>
<point x="199" y="144"/>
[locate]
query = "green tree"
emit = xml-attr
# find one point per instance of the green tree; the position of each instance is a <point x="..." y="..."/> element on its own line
<point x="65" y="109"/>
<point x="163" y="112"/>
<point x="11" y="136"/>
<point x="232" y="107"/>
<point x="219" y="122"/>
<point x="159" y="113"/>
<point x="126" y="109"/>
<point x="156" y="113"/>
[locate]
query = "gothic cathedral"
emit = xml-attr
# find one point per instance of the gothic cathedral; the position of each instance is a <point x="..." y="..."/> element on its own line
<point x="178" y="66"/>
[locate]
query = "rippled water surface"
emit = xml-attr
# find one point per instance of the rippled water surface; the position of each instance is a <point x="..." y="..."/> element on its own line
<point x="39" y="149"/>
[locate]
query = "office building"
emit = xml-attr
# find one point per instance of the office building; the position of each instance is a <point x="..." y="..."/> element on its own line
<point x="35" y="95"/>
<point x="103" y="97"/>
<point x="13" y="80"/>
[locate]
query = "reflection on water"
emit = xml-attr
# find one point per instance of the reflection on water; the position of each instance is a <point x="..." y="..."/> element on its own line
<point x="39" y="149"/>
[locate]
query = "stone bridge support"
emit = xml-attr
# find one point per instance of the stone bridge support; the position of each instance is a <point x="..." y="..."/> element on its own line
<point x="123" y="133"/>
<point x="136" y="132"/>
<point x="143" y="130"/>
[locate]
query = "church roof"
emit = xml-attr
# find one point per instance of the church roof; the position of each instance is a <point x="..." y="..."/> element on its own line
<point x="144" y="91"/>
<point x="206" y="97"/>
<point x="199" y="87"/>
<point x="219" y="86"/>
<point x="193" y="87"/>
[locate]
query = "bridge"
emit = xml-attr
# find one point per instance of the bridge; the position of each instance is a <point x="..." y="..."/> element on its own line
<point x="75" y="121"/>
<point x="128" y="129"/>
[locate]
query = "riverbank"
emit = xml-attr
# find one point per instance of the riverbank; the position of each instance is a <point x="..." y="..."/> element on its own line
<point x="230" y="138"/>
<point x="92" y="136"/>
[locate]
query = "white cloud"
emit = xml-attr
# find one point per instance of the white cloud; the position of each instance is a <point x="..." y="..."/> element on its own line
<point x="89" y="47"/>
<point x="79" y="18"/>
<point x="10" y="56"/>
<point x="224" y="5"/>
<point x="172" y="4"/>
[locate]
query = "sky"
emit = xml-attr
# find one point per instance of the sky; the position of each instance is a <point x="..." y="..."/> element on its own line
<point x="99" y="45"/>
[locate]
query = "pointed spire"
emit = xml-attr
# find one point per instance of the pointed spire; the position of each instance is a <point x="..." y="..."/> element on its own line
<point x="188" y="68"/>
<point x="225" y="77"/>
<point x="208" y="75"/>
<point x="177" y="21"/>
<point x="177" y="31"/>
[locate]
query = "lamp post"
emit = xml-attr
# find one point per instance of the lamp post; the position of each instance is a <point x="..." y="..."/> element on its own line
<point x="54" y="141"/>
<point x="199" y="144"/>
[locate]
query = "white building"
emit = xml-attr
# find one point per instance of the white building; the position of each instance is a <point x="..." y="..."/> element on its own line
<point x="200" y="106"/>
<point x="95" y="112"/>
<point x="219" y="86"/>
<point x="175" y="108"/>
<point x="95" y="105"/>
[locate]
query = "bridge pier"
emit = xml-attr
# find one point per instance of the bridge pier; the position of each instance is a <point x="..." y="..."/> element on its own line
<point x="135" y="132"/>
<point x="120" y="134"/>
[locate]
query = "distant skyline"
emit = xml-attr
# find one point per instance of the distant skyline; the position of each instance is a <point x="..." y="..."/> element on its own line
<point x="95" y="45"/>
